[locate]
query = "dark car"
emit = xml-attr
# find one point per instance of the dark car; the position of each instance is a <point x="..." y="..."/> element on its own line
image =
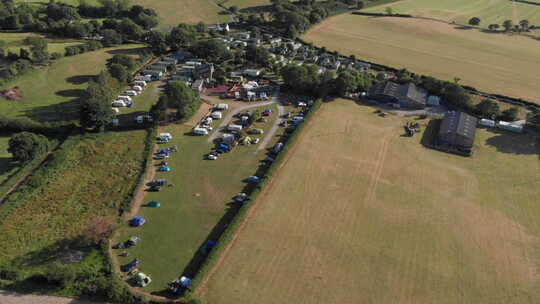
<point x="129" y="266"/>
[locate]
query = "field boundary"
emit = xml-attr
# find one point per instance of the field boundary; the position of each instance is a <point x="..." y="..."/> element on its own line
<point x="230" y="235"/>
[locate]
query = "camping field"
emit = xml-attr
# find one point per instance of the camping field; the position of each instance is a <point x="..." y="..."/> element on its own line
<point x="14" y="42"/>
<point x="201" y="195"/>
<point x="495" y="63"/>
<point x="361" y="214"/>
<point x="52" y="93"/>
<point x="460" y="11"/>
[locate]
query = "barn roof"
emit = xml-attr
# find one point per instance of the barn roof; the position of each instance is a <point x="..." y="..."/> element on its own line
<point x="458" y="128"/>
<point x="400" y="91"/>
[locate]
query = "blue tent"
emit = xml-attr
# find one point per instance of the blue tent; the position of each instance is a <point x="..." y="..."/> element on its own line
<point x="223" y="147"/>
<point x="164" y="169"/>
<point x="137" y="221"/>
<point x="163" y="151"/>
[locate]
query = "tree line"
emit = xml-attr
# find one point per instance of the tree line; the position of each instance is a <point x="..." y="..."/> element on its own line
<point x="508" y="25"/>
<point x="66" y="20"/>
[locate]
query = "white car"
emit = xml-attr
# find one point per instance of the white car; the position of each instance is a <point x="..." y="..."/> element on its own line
<point x="255" y="141"/>
<point x="212" y="157"/>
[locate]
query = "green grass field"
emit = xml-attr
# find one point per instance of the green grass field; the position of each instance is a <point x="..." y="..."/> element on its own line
<point x="15" y="42"/>
<point x="7" y="166"/>
<point x="360" y="214"/>
<point x="495" y="63"/>
<point x="191" y="208"/>
<point x="52" y="93"/>
<point x="90" y="176"/>
<point x="460" y="11"/>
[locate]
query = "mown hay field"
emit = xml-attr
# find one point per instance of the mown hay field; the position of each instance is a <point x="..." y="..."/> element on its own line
<point x="173" y="12"/>
<point x="495" y="63"/>
<point x="360" y="214"/>
<point x="460" y="11"/>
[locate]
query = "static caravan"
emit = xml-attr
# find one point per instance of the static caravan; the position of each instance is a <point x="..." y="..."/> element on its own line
<point x="118" y="103"/>
<point x="124" y="98"/>
<point x="222" y="106"/>
<point x="486" y="122"/>
<point x="216" y="115"/>
<point x="503" y="125"/>
<point x="200" y="131"/>
<point x="233" y="127"/>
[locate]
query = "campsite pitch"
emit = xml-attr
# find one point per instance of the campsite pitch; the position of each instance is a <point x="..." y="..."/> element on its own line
<point x="360" y="214"/>
<point x="198" y="194"/>
<point x="495" y="63"/>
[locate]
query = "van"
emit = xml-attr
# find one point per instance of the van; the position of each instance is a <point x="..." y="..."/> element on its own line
<point x="200" y="131"/>
<point x="131" y="93"/>
<point x="140" y="83"/>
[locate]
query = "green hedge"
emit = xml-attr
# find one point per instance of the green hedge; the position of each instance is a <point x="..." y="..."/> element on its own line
<point x="151" y="134"/>
<point x="289" y="141"/>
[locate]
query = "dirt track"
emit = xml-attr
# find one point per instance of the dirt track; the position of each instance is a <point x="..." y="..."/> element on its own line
<point x="8" y="297"/>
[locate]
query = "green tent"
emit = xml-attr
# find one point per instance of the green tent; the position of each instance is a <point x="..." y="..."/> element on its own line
<point x="153" y="204"/>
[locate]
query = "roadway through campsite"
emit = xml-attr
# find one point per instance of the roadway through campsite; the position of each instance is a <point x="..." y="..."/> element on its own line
<point x="8" y="297"/>
<point x="361" y="214"/>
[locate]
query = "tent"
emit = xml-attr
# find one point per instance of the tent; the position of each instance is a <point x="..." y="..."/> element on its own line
<point x="163" y="151"/>
<point x="153" y="204"/>
<point x="185" y="282"/>
<point x="137" y="221"/>
<point x="253" y="179"/>
<point x="164" y="169"/>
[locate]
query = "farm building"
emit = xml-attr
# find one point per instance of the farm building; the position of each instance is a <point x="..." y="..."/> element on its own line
<point x="405" y="95"/>
<point x="457" y="132"/>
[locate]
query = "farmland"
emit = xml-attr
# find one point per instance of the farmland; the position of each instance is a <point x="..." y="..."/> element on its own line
<point x="6" y="164"/>
<point x="90" y="176"/>
<point x="173" y="12"/>
<point x="360" y="214"/>
<point x="201" y="195"/>
<point x="15" y="41"/>
<point x="496" y="63"/>
<point x="460" y="11"/>
<point x="52" y="93"/>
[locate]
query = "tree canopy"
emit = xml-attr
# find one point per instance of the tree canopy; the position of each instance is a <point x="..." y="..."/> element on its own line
<point x="26" y="146"/>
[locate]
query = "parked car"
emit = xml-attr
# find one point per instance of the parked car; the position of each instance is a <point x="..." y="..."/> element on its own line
<point x="130" y="266"/>
<point x="255" y="131"/>
<point x="211" y="156"/>
<point x="255" y="141"/>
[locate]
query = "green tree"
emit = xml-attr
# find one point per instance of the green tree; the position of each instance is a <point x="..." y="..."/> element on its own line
<point x="211" y="50"/>
<point x="181" y="36"/>
<point x="96" y="113"/>
<point x="26" y="146"/>
<point x="234" y="9"/>
<point x="345" y="84"/>
<point x="488" y="108"/>
<point x="119" y="72"/>
<point x="125" y="60"/>
<point x="508" y="24"/>
<point x="360" y="5"/>
<point x="474" y="21"/>
<point x="111" y="38"/>
<point x="524" y="24"/>
<point x="510" y="114"/>
<point x="183" y="98"/>
<point x="157" y="41"/>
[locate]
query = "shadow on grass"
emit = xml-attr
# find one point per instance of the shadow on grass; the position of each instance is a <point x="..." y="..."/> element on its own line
<point x="513" y="143"/>
<point x="132" y="51"/>
<point x="64" y="111"/>
<point x="256" y="9"/>
<point x="79" y="93"/>
<point x="7" y="164"/>
<point x="80" y="79"/>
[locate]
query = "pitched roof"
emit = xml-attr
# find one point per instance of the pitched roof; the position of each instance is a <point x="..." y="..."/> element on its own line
<point x="400" y="91"/>
<point x="458" y="128"/>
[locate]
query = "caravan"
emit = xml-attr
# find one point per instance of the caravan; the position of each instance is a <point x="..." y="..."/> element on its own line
<point x="200" y="131"/>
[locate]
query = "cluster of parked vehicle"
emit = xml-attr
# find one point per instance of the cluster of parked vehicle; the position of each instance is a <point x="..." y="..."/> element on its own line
<point x="125" y="99"/>
<point x="204" y="127"/>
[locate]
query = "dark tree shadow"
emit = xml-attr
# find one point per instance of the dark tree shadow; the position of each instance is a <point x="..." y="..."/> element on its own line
<point x="64" y="111"/>
<point x="79" y="93"/>
<point x="463" y="27"/>
<point x="256" y="9"/>
<point x="7" y="164"/>
<point x="513" y="143"/>
<point x="134" y="51"/>
<point x="80" y="79"/>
